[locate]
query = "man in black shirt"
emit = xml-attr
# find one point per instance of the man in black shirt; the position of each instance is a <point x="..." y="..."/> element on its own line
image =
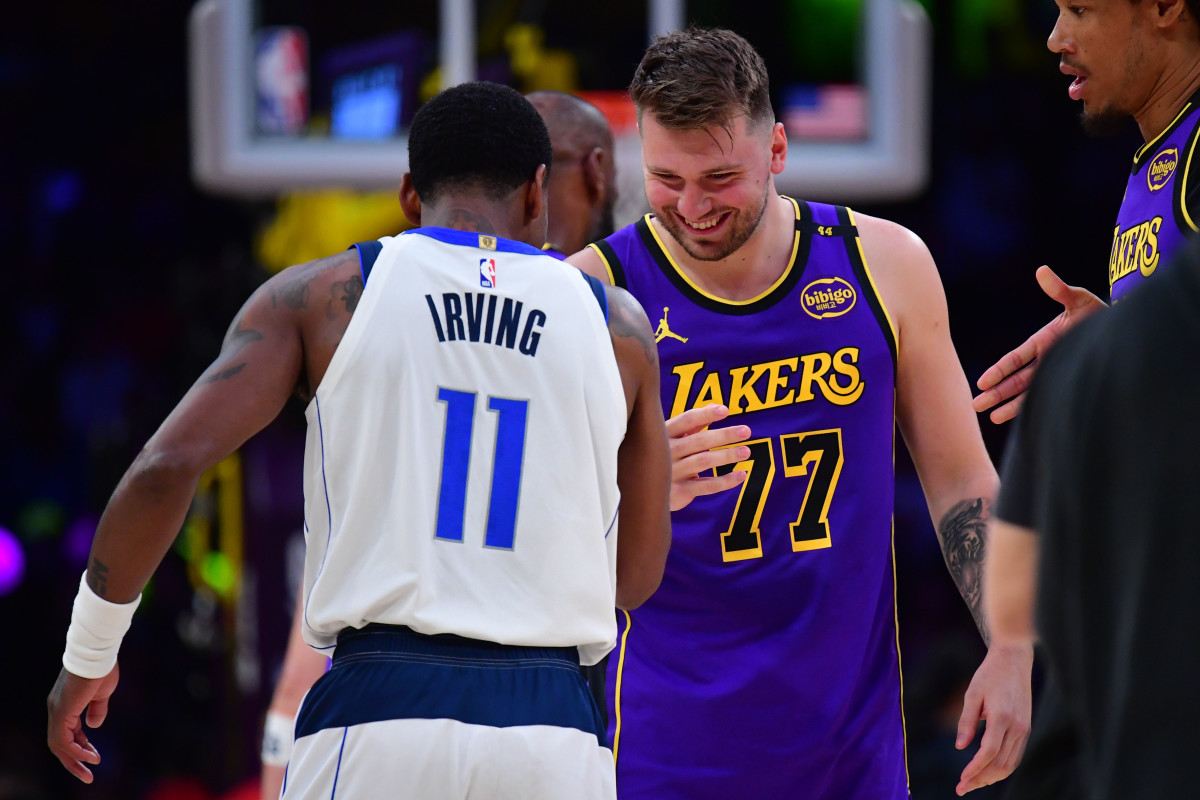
<point x="1100" y="500"/>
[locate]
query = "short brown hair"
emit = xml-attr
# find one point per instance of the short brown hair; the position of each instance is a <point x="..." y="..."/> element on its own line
<point x="700" y="77"/>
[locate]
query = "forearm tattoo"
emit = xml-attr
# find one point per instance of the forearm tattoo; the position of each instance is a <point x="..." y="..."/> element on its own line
<point x="962" y="535"/>
<point x="97" y="578"/>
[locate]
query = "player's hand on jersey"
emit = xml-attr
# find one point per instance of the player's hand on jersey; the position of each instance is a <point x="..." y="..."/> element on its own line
<point x="697" y="449"/>
<point x="1000" y="694"/>
<point x="1008" y="378"/>
<point x="69" y="698"/>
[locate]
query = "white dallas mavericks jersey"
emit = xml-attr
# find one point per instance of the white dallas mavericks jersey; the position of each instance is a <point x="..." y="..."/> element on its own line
<point x="461" y="462"/>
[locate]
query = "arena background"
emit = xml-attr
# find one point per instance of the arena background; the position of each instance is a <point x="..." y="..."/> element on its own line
<point x="123" y="276"/>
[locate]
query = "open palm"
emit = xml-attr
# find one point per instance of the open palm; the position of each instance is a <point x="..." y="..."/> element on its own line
<point x="1007" y="380"/>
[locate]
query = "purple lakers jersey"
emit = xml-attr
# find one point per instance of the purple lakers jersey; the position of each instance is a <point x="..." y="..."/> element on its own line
<point x="1161" y="206"/>
<point x="767" y="665"/>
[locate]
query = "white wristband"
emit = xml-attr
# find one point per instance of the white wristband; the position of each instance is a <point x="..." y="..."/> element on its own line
<point x="97" y="627"/>
<point x="277" y="739"/>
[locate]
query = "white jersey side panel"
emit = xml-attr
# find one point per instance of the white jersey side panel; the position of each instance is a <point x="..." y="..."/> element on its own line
<point x="460" y="468"/>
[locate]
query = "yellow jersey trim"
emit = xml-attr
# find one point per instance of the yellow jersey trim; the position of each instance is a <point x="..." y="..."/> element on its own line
<point x="896" y="615"/>
<point x="607" y="267"/>
<point x="766" y="293"/>
<point x="896" y="612"/>
<point x="899" y="657"/>
<point x="1183" y="186"/>
<point x="875" y="288"/>
<point x="1150" y="145"/>
<point x="617" y="689"/>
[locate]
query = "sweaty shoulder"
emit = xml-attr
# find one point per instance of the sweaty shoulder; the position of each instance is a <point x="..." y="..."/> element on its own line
<point x="901" y="266"/>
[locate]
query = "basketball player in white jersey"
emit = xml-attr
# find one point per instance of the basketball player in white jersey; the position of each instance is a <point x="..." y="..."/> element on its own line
<point x="459" y="384"/>
<point x="582" y="192"/>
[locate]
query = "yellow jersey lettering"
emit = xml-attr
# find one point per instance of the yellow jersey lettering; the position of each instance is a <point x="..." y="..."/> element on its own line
<point x="778" y="381"/>
<point x="1149" y="260"/>
<point x="836" y="377"/>
<point x="1128" y="246"/>
<point x="743" y="389"/>
<point x="813" y="369"/>
<point x="845" y="364"/>
<point x="1112" y="257"/>
<point x="710" y="392"/>
<point x="1134" y="249"/>
<point x="686" y="373"/>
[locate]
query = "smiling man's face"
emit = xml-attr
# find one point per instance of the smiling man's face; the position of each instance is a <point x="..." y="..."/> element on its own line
<point x="709" y="186"/>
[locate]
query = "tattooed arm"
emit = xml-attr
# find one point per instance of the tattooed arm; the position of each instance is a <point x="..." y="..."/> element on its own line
<point x="261" y="362"/>
<point x="933" y="403"/>
<point x="273" y="341"/>
<point x="961" y="532"/>
<point x="643" y="462"/>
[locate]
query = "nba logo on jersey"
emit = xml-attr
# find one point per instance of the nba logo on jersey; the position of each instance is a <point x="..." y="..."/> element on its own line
<point x="487" y="273"/>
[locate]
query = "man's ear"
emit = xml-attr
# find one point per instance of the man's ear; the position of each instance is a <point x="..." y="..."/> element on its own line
<point x="595" y="169"/>
<point x="779" y="148"/>
<point x="1169" y="12"/>
<point x="535" y="195"/>
<point x="410" y="201"/>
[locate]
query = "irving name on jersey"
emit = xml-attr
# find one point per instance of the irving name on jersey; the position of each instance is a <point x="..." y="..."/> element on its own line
<point x="478" y="317"/>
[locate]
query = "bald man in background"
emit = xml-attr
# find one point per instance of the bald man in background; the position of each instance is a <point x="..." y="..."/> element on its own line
<point x="583" y="179"/>
<point x="582" y="193"/>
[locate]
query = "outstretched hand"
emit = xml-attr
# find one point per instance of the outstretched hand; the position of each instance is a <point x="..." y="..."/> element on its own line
<point x="1000" y="694"/>
<point x="70" y="697"/>
<point x="1008" y="378"/>
<point x="695" y="449"/>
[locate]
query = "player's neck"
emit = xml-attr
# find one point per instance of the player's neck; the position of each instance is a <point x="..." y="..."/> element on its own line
<point x="756" y="265"/>
<point x="566" y="231"/>
<point x="472" y="214"/>
<point x="1179" y="81"/>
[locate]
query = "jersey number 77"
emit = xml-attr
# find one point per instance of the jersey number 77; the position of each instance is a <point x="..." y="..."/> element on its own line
<point x="817" y="454"/>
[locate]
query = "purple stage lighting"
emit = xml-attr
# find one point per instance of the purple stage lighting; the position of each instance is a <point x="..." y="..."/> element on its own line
<point x="12" y="562"/>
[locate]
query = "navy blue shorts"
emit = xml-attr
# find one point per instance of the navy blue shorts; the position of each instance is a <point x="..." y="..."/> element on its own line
<point x="385" y="672"/>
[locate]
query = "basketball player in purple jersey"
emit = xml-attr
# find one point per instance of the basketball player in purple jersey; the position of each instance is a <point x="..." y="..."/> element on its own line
<point x="767" y="665"/>
<point x="1126" y="58"/>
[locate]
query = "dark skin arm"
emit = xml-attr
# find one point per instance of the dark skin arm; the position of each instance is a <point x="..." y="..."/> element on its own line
<point x="643" y="461"/>
<point x="280" y="341"/>
<point x="696" y="449"/>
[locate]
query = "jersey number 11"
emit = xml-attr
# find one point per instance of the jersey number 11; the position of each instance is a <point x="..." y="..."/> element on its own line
<point x="506" y="467"/>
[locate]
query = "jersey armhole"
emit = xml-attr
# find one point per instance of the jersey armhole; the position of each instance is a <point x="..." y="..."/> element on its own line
<point x="858" y="262"/>
<point x="1187" y="201"/>
<point x="612" y="264"/>
<point x="368" y="252"/>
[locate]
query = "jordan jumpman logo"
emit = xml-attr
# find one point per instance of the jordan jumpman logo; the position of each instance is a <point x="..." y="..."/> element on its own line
<point x="663" y="331"/>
